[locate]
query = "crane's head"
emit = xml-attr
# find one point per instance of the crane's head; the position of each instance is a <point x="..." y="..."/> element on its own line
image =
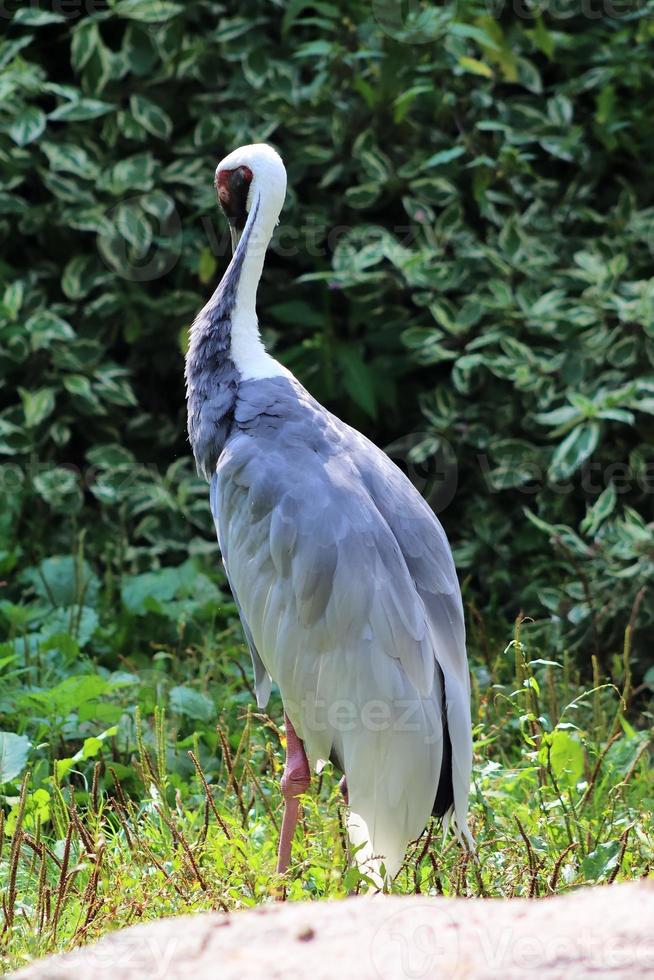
<point x="253" y="172"/>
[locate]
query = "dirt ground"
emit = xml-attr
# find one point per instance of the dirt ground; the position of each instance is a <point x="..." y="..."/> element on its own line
<point x="598" y="932"/>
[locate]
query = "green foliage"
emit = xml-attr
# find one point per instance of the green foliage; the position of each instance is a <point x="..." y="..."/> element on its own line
<point x="464" y="271"/>
<point x="469" y="234"/>
<point x="160" y="815"/>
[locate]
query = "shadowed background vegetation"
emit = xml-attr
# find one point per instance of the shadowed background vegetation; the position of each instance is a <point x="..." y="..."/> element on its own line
<point x="463" y="270"/>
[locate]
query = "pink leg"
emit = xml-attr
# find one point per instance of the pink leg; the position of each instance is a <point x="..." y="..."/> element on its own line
<point x="295" y="781"/>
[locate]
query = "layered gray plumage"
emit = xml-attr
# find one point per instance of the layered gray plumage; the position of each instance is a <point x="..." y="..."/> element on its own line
<point x="349" y="600"/>
<point x="345" y="585"/>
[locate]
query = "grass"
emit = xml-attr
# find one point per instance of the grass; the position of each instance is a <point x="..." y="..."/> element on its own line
<point x="164" y="812"/>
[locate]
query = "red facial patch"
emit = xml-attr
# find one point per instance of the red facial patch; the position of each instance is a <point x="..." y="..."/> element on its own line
<point x="223" y="180"/>
<point x="222" y="185"/>
<point x="232" y="187"/>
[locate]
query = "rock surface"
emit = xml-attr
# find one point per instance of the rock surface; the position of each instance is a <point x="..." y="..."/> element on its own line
<point x="598" y="932"/>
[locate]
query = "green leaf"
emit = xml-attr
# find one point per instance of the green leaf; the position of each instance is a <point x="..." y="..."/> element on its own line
<point x="79" y="386"/>
<point x="37" y="405"/>
<point x="69" y="695"/>
<point x="81" y="623"/>
<point x="477" y="34"/>
<point x="601" y="509"/>
<point x="44" y="327"/>
<point x="144" y="593"/>
<point x="476" y="67"/>
<point x="147" y="11"/>
<point x="315" y="49"/>
<point x="158" y="204"/>
<point x="560" y="110"/>
<point x="70" y="158"/>
<point x="9" y="49"/>
<point x="62" y="581"/>
<point x="543" y="39"/>
<point x="14" y="750"/>
<point x="575" y="448"/>
<point x="558" y="416"/>
<point x="184" y="172"/>
<point x="12" y="299"/>
<point x="91" y="747"/>
<point x="151" y="117"/>
<point x="375" y="165"/>
<point x="80" y="276"/>
<point x="529" y="76"/>
<point x="81" y="109"/>
<point x="193" y="704"/>
<point x="133" y="225"/>
<point x="616" y="415"/>
<point x="27" y="125"/>
<point x="59" y="488"/>
<point x="113" y="386"/>
<point x="111" y="456"/>
<point x="32" y="17"/>
<point x="134" y="173"/>
<point x="597" y="865"/>
<point x="36" y="813"/>
<point x="85" y="41"/>
<point x="362" y="196"/>
<point x="443" y="157"/>
<point x="566" y="757"/>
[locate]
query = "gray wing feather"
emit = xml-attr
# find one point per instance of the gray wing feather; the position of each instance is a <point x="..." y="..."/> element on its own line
<point x="262" y="680"/>
<point x="430" y="563"/>
<point x="348" y="585"/>
<point x="338" y="558"/>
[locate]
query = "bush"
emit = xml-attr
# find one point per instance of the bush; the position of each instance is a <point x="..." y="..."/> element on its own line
<point x="463" y="270"/>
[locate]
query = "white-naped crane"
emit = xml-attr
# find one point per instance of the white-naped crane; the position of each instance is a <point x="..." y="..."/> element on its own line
<point x="342" y="575"/>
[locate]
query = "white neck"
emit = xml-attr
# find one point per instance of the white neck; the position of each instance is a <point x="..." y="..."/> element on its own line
<point x="265" y="200"/>
<point x="247" y="350"/>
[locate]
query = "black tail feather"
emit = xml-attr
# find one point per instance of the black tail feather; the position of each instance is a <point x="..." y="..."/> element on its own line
<point x="445" y="791"/>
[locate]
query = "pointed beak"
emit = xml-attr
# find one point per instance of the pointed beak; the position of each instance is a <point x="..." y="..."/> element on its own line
<point x="236" y="237"/>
